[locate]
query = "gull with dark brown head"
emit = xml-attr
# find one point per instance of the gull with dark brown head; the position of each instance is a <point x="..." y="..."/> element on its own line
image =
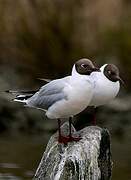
<point x="64" y="98"/>
<point x="106" y="85"/>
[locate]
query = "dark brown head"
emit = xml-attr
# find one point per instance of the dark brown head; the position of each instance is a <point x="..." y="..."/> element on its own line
<point x="112" y="73"/>
<point x="85" y="67"/>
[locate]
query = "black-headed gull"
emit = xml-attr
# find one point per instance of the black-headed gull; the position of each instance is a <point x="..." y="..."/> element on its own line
<point x="106" y="85"/>
<point x="63" y="98"/>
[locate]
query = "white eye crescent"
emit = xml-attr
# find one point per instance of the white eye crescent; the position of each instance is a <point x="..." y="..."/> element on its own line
<point x="109" y="72"/>
<point x="83" y="65"/>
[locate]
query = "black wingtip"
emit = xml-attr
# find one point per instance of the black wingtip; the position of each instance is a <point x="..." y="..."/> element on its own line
<point x="10" y="91"/>
<point x="7" y="91"/>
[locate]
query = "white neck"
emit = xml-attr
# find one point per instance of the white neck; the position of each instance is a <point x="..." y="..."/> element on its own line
<point x="103" y="67"/>
<point x="75" y="74"/>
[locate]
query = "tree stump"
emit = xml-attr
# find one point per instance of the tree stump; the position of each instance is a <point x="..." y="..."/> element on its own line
<point x="87" y="159"/>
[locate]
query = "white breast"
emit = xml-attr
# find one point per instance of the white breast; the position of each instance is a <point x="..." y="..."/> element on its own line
<point x="104" y="90"/>
<point x="79" y="94"/>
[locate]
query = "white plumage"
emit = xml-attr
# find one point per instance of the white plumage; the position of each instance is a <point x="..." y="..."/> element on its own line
<point x="105" y="90"/>
<point x="64" y="97"/>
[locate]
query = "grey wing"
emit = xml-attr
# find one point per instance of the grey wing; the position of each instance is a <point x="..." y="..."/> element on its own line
<point x="49" y="94"/>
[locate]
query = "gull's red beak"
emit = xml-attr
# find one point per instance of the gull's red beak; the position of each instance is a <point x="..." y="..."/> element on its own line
<point x="121" y="80"/>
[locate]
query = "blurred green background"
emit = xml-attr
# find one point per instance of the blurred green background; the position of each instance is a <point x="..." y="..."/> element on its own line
<point x="43" y="38"/>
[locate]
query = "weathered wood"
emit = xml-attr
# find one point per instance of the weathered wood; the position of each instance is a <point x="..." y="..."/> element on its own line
<point x="88" y="159"/>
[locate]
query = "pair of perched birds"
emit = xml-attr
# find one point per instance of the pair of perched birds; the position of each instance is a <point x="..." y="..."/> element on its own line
<point x="88" y="85"/>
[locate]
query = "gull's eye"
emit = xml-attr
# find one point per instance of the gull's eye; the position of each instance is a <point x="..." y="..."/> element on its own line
<point x="84" y="65"/>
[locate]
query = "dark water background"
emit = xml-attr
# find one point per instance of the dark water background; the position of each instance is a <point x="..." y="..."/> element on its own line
<point x="19" y="156"/>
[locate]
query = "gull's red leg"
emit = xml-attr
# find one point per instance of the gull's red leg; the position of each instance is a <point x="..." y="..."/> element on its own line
<point x="61" y="139"/>
<point x="71" y="138"/>
<point x="70" y="122"/>
<point x="59" y="129"/>
<point x="94" y="118"/>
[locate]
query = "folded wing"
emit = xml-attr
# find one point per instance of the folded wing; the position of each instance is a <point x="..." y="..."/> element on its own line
<point x="49" y="94"/>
